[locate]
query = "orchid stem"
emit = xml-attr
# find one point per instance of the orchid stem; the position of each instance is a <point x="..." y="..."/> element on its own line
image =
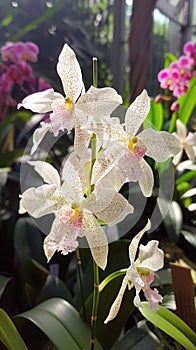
<point x="95" y="74"/>
<point x="95" y="304"/>
<point x="80" y="282"/>
<point x="95" y="266"/>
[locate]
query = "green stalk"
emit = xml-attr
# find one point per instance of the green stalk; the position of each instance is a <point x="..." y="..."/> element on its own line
<point x="95" y="304"/>
<point x="95" y="74"/>
<point x="95" y="266"/>
<point x="80" y="282"/>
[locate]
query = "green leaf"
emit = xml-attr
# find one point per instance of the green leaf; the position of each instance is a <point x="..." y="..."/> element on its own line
<point x="155" y="116"/>
<point x="172" y="124"/>
<point x="61" y="323"/>
<point x="54" y="287"/>
<point x="28" y="242"/>
<point x="188" y="176"/>
<point x="12" y="118"/>
<point x="139" y="337"/>
<point x="187" y="103"/>
<point x="7" y="158"/>
<point x="9" y="335"/>
<point x="169" y="58"/>
<point x="171" y="324"/>
<point x="110" y="277"/>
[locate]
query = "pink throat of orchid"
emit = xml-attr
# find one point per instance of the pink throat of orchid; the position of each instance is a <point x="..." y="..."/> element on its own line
<point x="71" y="216"/>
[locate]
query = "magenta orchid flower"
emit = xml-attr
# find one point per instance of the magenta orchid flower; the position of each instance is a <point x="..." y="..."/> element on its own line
<point x="19" y="52"/>
<point x="140" y="274"/>
<point x="75" y="106"/>
<point x="177" y="76"/>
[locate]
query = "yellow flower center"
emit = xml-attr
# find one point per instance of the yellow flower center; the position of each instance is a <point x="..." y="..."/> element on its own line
<point x="132" y="142"/>
<point x="68" y="104"/>
<point x="75" y="213"/>
<point x="143" y="271"/>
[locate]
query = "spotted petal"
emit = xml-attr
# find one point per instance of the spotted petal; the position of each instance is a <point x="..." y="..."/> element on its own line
<point x="137" y="113"/>
<point x="99" y="102"/>
<point x="160" y="144"/>
<point x="42" y="200"/>
<point x="62" y="238"/>
<point x="116" y="211"/>
<point x="96" y="239"/>
<point x="117" y="302"/>
<point x="150" y="256"/>
<point x="69" y="71"/>
<point x="135" y="241"/>
<point x="107" y="160"/>
<point x="146" y="178"/>
<point x="101" y="197"/>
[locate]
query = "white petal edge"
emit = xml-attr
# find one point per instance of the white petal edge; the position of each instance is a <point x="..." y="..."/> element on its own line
<point x="39" y="102"/>
<point x="48" y="173"/>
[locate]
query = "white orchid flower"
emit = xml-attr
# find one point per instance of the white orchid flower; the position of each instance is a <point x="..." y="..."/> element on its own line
<point x="75" y="212"/>
<point x="188" y="142"/>
<point x="140" y="274"/>
<point x="72" y="109"/>
<point x="126" y="146"/>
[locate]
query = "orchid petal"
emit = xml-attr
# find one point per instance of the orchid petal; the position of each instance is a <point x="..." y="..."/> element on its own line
<point x="117" y="177"/>
<point x="116" y="211"/>
<point x="189" y="151"/>
<point x="154" y="298"/>
<point x="135" y="241"/>
<point x="81" y="140"/>
<point x="39" y="102"/>
<point x="101" y="197"/>
<point x="69" y="71"/>
<point x="150" y="256"/>
<point x="117" y="302"/>
<point x="130" y="165"/>
<point x="61" y="120"/>
<point x="62" y="237"/>
<point x="38" y="135"/>
<point x="160" y="144"/>
<point x="146" y="179"/>
<point x="191" y="138"/>
<point x="48" y="173"/>
<point x="137" y="113"/>
<point x="137" y="300"/>
<point x="72" y="187"/>
<point x="107" y="160"/>
<point x="181" y="129"/>
<point x="177" y="157"/>
<point x="99" y="101"/>
<point x="42" y="200"/>
<point x="96" y="239"/>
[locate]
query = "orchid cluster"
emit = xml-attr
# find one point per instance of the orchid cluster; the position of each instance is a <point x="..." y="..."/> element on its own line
<point x="177" y="76"/>
<point x="107" y="154"/>
<point x="16" y="71"/>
